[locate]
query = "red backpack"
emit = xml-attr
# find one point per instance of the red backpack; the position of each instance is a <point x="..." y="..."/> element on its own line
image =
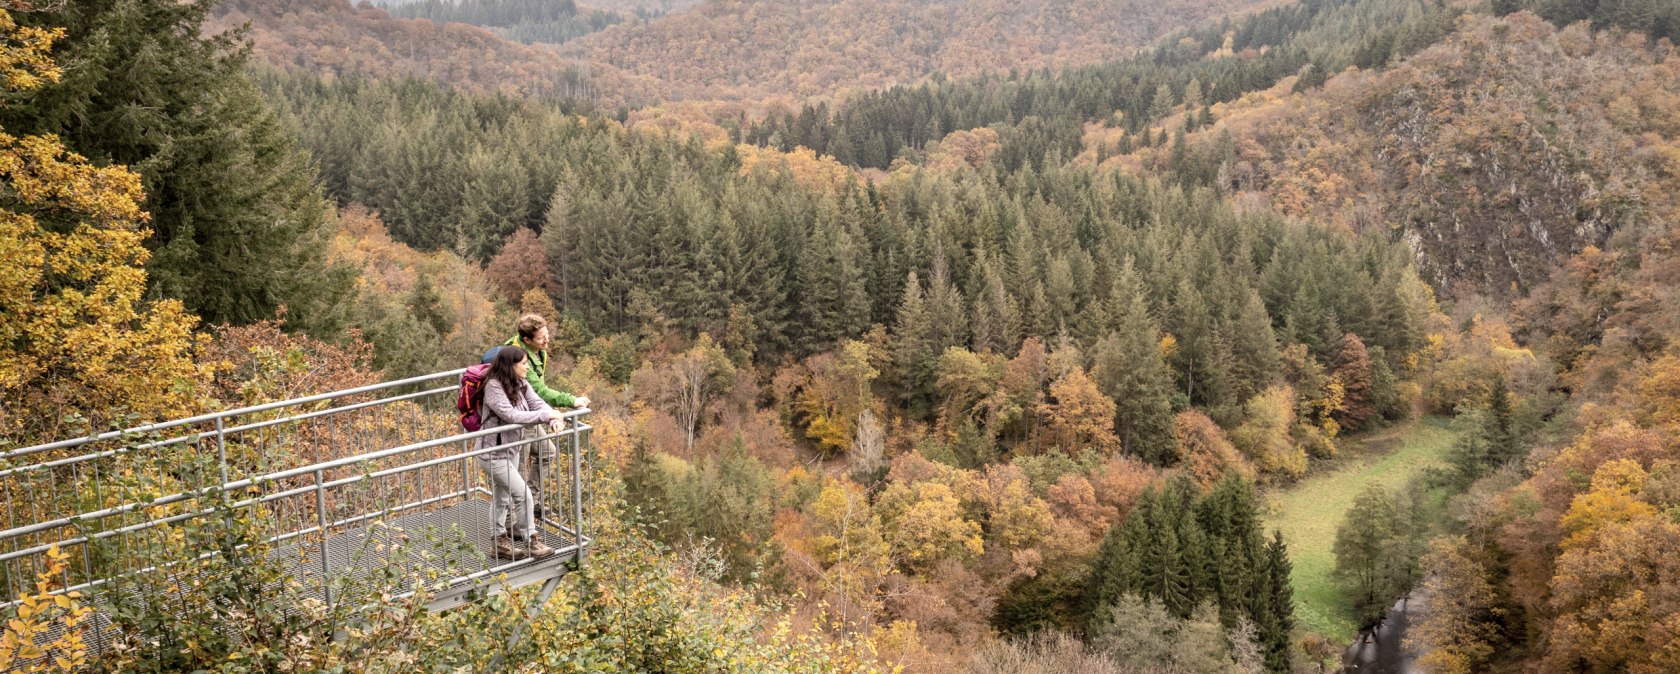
<point x="470" y="399"/>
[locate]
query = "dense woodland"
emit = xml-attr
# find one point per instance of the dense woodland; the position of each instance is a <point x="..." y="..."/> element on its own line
<point x="756" y="48"/>
<point x="1553" y="158"/>
<point x="332" y="38"/>
<point x="520" y="20"/>
<point x="1045" y="112"/>
<point x="1001" y="389"/>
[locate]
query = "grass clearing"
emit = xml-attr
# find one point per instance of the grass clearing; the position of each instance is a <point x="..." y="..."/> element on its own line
<point x="1309" y="511"/>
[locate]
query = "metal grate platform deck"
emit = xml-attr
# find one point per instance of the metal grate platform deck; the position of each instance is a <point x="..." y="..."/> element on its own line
<point x="448" y="548"/>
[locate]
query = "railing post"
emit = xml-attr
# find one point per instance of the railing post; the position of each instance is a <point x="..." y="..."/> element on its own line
<point x="577" y="489"/>
<point x="221" y="449"/>
<point x="321" y="520"/>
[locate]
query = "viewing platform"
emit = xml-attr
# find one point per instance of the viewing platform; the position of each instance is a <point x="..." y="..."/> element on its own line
<point x="370" y="492"/>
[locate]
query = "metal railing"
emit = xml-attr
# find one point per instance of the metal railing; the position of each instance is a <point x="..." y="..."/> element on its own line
<point x="314" y="482"/>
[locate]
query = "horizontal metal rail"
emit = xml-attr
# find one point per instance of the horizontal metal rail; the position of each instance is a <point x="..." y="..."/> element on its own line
<point x="269" y="498"/>
<point x="242" y="411"/>
<point x="272" y="477"/>
<point x="363" y="460"/>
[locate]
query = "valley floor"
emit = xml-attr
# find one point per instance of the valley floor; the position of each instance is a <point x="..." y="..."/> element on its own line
<point x="1309" y="511"/>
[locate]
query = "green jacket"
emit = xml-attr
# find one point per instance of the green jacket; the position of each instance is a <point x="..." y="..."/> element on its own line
<point x="534" y="374"/>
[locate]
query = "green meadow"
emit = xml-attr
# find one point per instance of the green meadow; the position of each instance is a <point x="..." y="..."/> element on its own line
<point x="1309" y="511"/>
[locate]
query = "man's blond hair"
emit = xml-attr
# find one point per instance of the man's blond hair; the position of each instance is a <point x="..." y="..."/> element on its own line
<point x="529" y="324"/>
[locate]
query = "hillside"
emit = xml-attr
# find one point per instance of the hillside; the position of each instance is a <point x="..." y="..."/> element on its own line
<point x="528" y="21"/>
<point x="334" y="39"/>
<point x="1493" y="154"/>
<point x="754" y="48"/>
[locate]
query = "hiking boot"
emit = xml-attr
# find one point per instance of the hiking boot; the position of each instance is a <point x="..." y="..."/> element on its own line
<point x="539" y="550"/>
<point x="506" y="549"/>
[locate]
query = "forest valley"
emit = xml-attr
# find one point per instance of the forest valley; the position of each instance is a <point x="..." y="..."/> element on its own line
<point x="992" y="371"/>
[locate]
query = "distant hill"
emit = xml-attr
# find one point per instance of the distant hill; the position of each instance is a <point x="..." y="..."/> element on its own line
<point x="756" y="48"/>
<point x="1495" y="154"/>
<point x="626" y="7"/>
<point x="528" y="21"/>
<point x="333" y="38"/>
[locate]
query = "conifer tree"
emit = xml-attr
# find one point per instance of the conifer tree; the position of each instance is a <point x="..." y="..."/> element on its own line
<point x="1128" y="368"/>
<point x="77" y="334"/>
<point x="913" y="354"/>
<point x="947" y="319"/>
<point x="1192" y="325"/>
<point x="831" y="299"/>
<point x="238" y="224"/>
<point x="1501" y="435"/>
<point x="1385" y="387"/>
<point x="1254" y="348"/>
<point x="1167" y="577"/>
<point x="1280" y="622"/>
<point x="997" y="314"/>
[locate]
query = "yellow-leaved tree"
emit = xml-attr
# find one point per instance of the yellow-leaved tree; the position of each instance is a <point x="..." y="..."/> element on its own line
<point x="77" y="338"/>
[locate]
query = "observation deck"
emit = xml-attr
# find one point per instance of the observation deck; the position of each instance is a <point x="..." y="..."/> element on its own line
<point x="343" y="498"/>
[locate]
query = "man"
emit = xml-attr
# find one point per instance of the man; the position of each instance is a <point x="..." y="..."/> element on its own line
<point x="533" y="337"/>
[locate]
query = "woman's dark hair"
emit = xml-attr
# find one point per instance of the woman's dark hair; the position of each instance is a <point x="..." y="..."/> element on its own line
<point x="501" y="369"/>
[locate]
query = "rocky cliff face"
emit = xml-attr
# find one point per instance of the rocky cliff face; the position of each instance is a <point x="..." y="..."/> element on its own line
<point x="1495" y="154"/>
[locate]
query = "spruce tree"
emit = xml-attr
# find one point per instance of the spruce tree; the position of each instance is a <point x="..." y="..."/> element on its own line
<point x="1127" y="366"/>
<point x="1169" y="580"/>
<point x="1192" y="325"/>
<point x="1254" y="348"/>
<point x="239" y="226"/>
<point x="1281" y="621"/>
<point x="831" y="301"/>
<point x="1501" y="435"/>
<point x="947" y="319"/>
<point x="912" y="347"/>
<point x="1385" y="387"/>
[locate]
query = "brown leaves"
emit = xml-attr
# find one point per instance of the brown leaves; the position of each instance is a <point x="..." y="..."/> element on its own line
<point x="522" y="265"/>
<point x="1204" y="451"/>
<point x="1079" y="416"/>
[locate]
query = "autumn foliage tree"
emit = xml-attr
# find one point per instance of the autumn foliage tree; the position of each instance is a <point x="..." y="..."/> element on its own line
<point x="1204" y="450"/>
<point x="521" y="265"/>
<point x="1455" y="630"/>
<point x="237" y="219"/>
<point x="1264" y="437"/>
<point x="1079" y="417"/>
<point x="79" y="336"/>
<point x="687" y="384"/>
<point x="835" y="395"/>
<point x="1353" y="370"/>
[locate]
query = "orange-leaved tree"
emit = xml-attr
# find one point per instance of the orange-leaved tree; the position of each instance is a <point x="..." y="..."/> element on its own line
<point x="78" y="338"/>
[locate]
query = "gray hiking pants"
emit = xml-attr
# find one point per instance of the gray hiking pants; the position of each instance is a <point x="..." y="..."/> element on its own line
<point x="536" y="464"/>
<point x="510" y="498"/>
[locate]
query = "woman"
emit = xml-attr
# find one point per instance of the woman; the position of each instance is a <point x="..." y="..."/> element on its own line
<point x="509" y="399"/>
